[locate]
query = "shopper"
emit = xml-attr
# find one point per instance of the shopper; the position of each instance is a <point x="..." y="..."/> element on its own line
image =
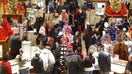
<point x="112" y="31"/>
<point x="87" y="38"/>
<point x="37" y="64"/>
<point x="88" y="63"/>
<point x="73" y="63"/>
<point x="104" y="61"/>
<point x="76" y="44"/>
<point x="6" y="66"/>
<point x="15" y="45"/>
<point x="80" y="52"/>
<point x="22" y="62"/>
<point x="48" y="59"/>
<point x="43" y="33"/>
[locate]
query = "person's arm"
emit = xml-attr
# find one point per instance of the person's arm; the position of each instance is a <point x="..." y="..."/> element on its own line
<point x="32" y="62"/>
<point x="109" y="61"/>
<point x="51" y="58"/>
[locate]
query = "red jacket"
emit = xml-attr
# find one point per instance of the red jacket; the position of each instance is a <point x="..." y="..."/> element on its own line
<point x="6" y="67"/>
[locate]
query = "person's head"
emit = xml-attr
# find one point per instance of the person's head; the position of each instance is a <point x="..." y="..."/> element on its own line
<point x="41" y="42"/>
<point x="5" y="57"/>
<point x="48" y="47"/>
<point x="99" y="46"/>
<point x="21" y="51"/>
<point x="89" y="28"/>
<point x="37" y="53"/>
<point x="69" y="48"/>
<point x="90" y="51"/>
<point x="130" y="57"/>
<point x="67" y="31"/>
<point x="107" y="32"/>
<point x="76" y="40"/>
<point x="112" y="24"/>
<point x="130" y="32"/>
<point x="77" y="33"/>
<point x="17" y="35"/>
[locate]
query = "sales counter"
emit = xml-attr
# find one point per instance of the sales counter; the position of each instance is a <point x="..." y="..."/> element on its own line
<point x="118" y="67"/>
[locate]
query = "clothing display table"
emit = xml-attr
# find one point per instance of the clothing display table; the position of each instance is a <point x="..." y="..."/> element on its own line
<point x="118" y="66"/>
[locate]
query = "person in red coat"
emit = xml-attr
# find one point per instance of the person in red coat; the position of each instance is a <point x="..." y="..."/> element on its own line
<point x="6" y="65"/>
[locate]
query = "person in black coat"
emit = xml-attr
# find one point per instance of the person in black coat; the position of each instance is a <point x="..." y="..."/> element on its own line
<point x="77" y="18"/>
<point x="104" y="61"/>
<point x="76" y="44"/>
<point x="74" y="63"/>
<point x="83" y="18"/>
<point x="127" y="4"/>
<point x="126" y="25"/>
<point x="15" y="45"/>
<point x="38" y="23"/>
<point x="37" y="64"/>
<point x="87" y="38"/>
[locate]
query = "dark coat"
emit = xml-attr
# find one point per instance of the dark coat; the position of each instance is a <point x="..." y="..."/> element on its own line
<point x="87" y="37"/>
<point x="15" y="46"/>
<point x="88" y="61"/>
<point x="104" y="61"/>
<point x="76" y="45"/>
<point x="37" y="64"/>
<point x="74" y="64"/>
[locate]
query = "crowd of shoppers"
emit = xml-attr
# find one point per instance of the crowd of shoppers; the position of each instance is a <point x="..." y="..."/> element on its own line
<point x="59" y="42"/>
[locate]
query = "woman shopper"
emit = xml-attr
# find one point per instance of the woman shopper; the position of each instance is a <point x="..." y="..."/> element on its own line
<point x="6" y="66"/>
<point x="37" y="64"/>
<point x="88" y="63"/>
<point x="22" y="62"/>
